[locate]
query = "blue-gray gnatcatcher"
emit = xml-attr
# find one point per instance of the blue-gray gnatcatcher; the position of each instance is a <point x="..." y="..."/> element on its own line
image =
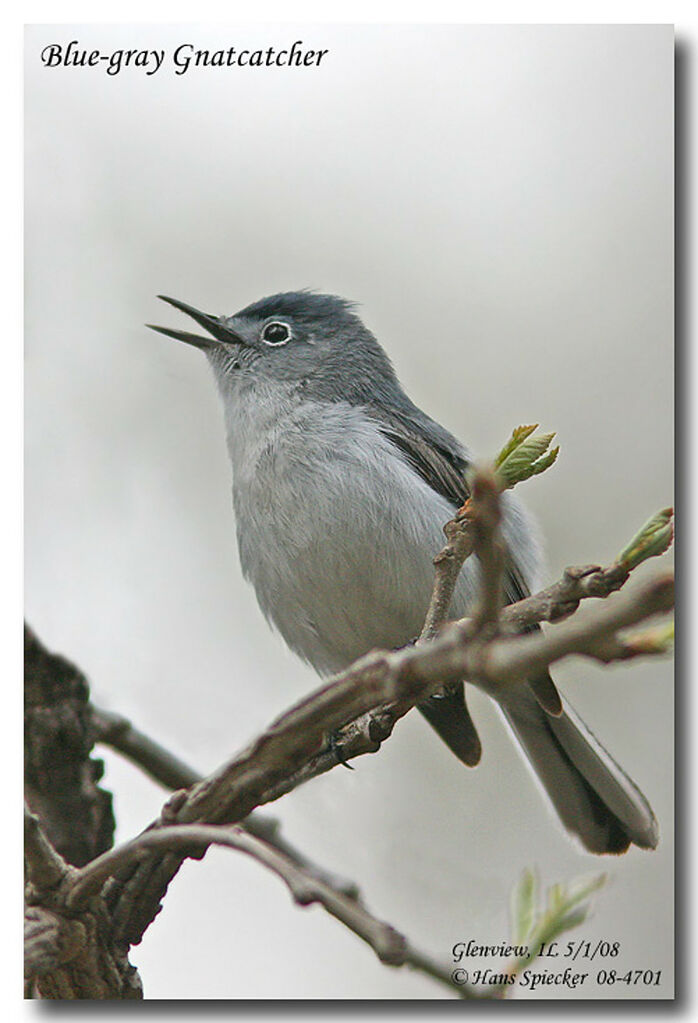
<point x="341" y="487"/>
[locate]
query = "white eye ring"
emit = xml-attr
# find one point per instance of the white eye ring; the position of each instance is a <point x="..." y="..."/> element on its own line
<point x="276" y="333"/>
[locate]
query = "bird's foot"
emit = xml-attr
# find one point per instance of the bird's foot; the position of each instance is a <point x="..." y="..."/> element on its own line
<point x="334" y="743"/>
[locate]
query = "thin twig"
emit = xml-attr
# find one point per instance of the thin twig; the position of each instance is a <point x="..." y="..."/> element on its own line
<point x="366" y="700"/>
<point x="163" y="766"/>
<point x="407" y="675"/>
<point x="159" y="763"/>
<point x="473" y="530"/>
<point x="594" y="636"/>
<point x="293" y="749"/>
<point x="563" y="597"/>
<point x="447" y="565"/>
<point x="489" y="548"/>
<point x="391" y="947"/>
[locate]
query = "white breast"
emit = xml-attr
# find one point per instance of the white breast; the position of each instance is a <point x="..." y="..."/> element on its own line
<point x="336" y="531"/>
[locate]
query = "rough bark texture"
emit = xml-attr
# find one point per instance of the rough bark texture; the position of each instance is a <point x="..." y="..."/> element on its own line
<point x="73" y="956"/>
<point x="60" y="776"/>
<point x="68" y="955"/>
<point x="80" y="919"/>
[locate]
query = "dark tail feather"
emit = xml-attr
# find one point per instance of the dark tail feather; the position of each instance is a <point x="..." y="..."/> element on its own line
<point x="592" y="795"/>
<point x="448" y="715"/>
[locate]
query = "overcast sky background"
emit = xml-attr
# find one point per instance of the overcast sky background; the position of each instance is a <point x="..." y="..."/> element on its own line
<point x="499" y="200"/>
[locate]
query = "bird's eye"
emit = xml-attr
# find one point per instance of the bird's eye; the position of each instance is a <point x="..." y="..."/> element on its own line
<point x="276" y="333"/>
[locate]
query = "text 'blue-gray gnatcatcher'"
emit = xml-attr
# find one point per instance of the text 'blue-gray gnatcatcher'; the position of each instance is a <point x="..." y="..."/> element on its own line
<point x="341" y="487"/>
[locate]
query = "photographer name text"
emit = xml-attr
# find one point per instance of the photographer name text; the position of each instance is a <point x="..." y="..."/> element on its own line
<point x="560" y="975"/>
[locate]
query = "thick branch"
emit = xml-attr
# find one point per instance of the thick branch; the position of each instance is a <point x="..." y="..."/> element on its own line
<point x="558" y="601"/>
<point x="293" y="749"/>
<point x="42" y="936"/>
<point x="117" y="895"/>
<point x="67" y="954"/>
<point x="408" y="675"/>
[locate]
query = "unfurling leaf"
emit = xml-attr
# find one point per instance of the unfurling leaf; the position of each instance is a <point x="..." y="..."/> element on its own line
<point x="523" y="906"/>
<point x="518" y="436"/>
<point x="524" y="455"/>
<point x="653" y="539"/>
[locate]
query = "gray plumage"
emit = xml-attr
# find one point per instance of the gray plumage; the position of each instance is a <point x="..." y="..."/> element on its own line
<point x="341" y="487"/>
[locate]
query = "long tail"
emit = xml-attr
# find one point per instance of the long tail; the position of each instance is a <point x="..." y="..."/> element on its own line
<point x="594" y="798"/>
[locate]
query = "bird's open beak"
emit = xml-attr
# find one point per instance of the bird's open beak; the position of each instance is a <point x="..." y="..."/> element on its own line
<point x="213" y="324"/>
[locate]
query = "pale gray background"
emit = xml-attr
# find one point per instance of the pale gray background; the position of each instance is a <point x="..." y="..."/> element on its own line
<point x="499" y="200"/>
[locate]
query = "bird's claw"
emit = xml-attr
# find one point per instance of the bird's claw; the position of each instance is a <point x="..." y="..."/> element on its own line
<point x="334" y="743"/>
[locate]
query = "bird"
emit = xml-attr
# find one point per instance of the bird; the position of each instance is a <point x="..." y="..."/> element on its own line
<point x="341" y="488"/>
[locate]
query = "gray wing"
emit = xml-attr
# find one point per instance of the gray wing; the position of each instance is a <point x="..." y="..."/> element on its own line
<point x="593" y="796"/>
<point x="442" y="463"/>
<point x="431" y="450"/>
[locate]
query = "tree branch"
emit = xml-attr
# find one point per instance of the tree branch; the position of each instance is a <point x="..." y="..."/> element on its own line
<point x="42" y="936"/>
<point x="292" y="750"/>
<point x="159" y="763"/>
<point x="447" y="566"/>
<point x="391" y="947"/>
<point x="474" y="529"/>
<point x="231" y="793"/>
<point x="60" y="777"/>
<point x="577" y="583"/>
<point x="120" y="891"/>
<point x="489" y="548"/>
<point x="45" y="869"/>
<point x="563" y="597"/>
<point x="408" y="675"/>
<point x="67" y="955"/>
